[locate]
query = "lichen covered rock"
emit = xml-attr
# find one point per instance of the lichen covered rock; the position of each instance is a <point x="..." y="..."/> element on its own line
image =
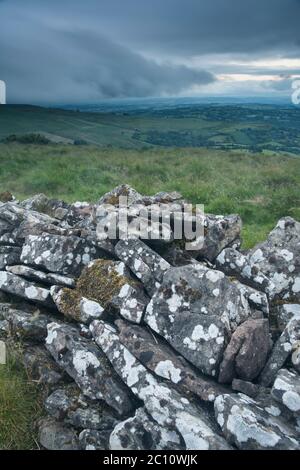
<point x="195" y="310"/>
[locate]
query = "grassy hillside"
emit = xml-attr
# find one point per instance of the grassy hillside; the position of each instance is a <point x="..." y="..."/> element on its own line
<point x="260" y="188"/>
<point x="252" y="127"/>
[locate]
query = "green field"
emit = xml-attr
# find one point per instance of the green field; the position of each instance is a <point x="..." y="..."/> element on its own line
<point x="228" y="127"/>
<point x="261" y="188"/>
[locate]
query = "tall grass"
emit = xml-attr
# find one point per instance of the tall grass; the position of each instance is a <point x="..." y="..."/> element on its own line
<point x="261" y="188"/>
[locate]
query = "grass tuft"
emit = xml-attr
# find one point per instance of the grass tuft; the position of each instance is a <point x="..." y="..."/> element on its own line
<point x="20" y="407"/>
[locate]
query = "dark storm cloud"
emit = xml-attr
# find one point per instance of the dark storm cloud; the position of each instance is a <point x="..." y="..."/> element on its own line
<point x="69" y="50"/>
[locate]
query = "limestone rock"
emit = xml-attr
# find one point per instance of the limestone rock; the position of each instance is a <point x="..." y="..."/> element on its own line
<point x="195" y="310"/>
<point x="256" y="299"/>
<point x="27" y="325"/>
<point x="68" y="404"/>
<point x="41" y="367"/>
<point x="73" y="306"/>
<point x="91" y="439"/>
<point x="162" y="360"/>
<point x="142" y="433"/>
<point x="219" y="232"/>
<point x="12" y="284"/>
<point x="247" y="352"/>
<point x="248" y="426"/>
<point x="233" y="263"/>
<point x="166" y="406"/>
<point x="56" y="436"/>
<point x="40" y="276"/>
<point x="88" y="366"/>
<point x="286" y="312"/>
<point x="275" y="261"/>
<point x="9" y="255"/>
<point x="286" y="390"/>
<point x="148" y="266"/>
<point x="59" y="254"/>
<point x="124" y="190"/>
<point x="285" y="345"/>
<point x="247" y="388"/>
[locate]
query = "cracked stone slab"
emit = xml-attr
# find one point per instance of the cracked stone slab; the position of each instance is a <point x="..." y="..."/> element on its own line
<point x="250" y="427"/>
<point x="59" y="254"/>
<point x="12" y="284"/>
<point x="283" y="348"/>
<point x="165" y="405"/>
<point x="147" y="265"/>
<point x="68" y="404"/>
<point x="286" y="390"/>
<point x="140" y="432"/>
<point x="42" y="277"/>
<point x="163" y="361"/>
<point x="195" y="310"/>
<point x="88" y="366"/>
<point x="247" y="352"/>
<point x="9" y="255"/>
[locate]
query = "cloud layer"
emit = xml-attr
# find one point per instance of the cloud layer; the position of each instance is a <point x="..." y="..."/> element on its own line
<point x="66" y="51"/>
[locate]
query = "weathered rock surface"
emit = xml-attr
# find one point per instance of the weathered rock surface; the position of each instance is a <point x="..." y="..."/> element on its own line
<point x="285" y="345"/>
<point x="20" y="287"/>
<point x="286" y="390"/>
<point x="142" y="433"/>
<point x="195" y="310"/>
<point x="90" y="439"/>
<point x="220" y="232"/>
<point x="286" y="312"/>
<point x="248" y="426"/>
<point x="145" y="263"/>
<point x="256" y="299"/>
<point x="273" y="264"/>
<point x="41" y="367"/>
<point x="27" y="325"/>
<point x="59" y="254"/>
<point x="68" y="404"/>
<point x="166" y="406"/>
<point x="56" y="436"/>
<point x="39" y="276"/>
<point x="162" y="360"/>
<point x="9" y="255"/>
<point x="88" y="366"/>
<point x="247" y="352"/>
<point x="247" y="388"/>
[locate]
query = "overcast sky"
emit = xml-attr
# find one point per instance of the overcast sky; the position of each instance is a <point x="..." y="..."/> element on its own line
<point x="76" y="51"/>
